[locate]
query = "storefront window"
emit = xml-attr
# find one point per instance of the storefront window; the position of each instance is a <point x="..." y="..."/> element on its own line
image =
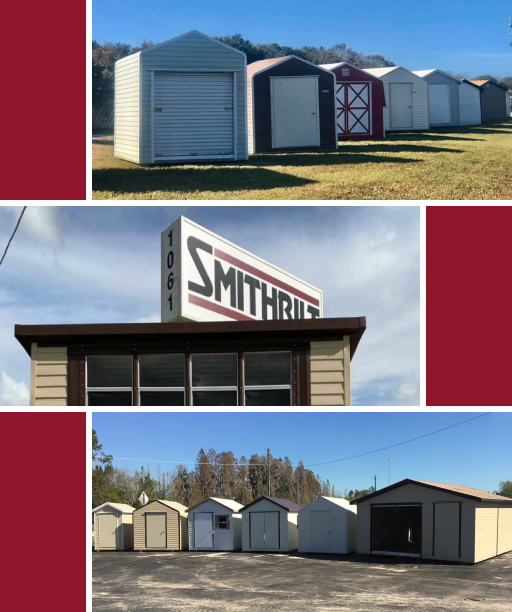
<point x="215" y="380"/>
<point x="109" y="380"/>
<point x="267" y="379"/>
<point x="162" y="380"/>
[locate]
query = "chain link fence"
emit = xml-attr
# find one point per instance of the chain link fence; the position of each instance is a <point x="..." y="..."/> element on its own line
<point x="103" y="116"/>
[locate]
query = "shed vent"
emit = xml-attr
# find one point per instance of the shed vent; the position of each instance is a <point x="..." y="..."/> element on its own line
<point x="345" y="72"/>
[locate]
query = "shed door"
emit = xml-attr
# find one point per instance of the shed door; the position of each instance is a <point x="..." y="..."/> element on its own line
<point x="203" y="529"/>
<point x="401" y="105"/>
<point x="439" y="104"/>
<point x="257" y="525"/>
<point x="108" y="530"/>
<point x="504" y="530"/>
<point x="353" y="109"/>
<point x="321" y="530"/>
<point x="193" y="115"/>
<point x="446" y="530"/>
<point x="295" y="112"/>
<point x="272" y="530"/>
<point x="156" y="530"/>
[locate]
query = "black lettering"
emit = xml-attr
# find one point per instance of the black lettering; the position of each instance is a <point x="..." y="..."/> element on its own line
<point x="193" y="245"/>
<point x="253" y="285"/>
<point x="170" y="238"/>
<point x="227" y="280"/>
<point x="314" y="312"/>
<point x="170" y="260"/>
<point x="169" y="299"/>
<point x="240" y="288"/>
<point x="170" y="281"/>
<point x="268" y="301"/>
<point x="285" y="305"/>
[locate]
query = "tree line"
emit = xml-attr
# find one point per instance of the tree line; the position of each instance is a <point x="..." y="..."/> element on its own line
<point x="214" y="475"/>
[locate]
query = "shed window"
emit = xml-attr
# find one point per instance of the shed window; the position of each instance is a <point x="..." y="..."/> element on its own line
<point x="109" y="380"/>
<point x="222" y="522"/>
<point x="162" y="380"/>
<point x="214" y="380"/>
<point x="267" y="379"/>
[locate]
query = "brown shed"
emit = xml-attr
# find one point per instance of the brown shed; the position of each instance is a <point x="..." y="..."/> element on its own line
<point x="160" y="525"/>
<point x="113" y="527"/>
<point x="430" y="520"/>
<point x="492" y="100"/>
<point x="290" y="106"/>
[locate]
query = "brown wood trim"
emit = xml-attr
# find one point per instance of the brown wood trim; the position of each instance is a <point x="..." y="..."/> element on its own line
<point x="81" y="391"/>
<point x="241" y="379"/>
<point x="304" y="388"/>
<point x="73" y="390"/>
<point x="295" y="380"/>
<point x="135" y="381"/>
<point x="188" y="381"/>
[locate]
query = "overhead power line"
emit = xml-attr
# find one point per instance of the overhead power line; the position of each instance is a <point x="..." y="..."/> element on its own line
<point x="235" y="463"/>
<point x="13" y="234"/>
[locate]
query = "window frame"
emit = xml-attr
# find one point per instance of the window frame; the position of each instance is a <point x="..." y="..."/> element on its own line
<point x="141" y="389"/>
<point x="212" y="388"/>
<point x="107" y="389"/>
<point x="288" y="387"/>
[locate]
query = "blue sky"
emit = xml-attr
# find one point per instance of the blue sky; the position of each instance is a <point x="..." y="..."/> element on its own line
<point x="466" y="36"/>
<point x="101" y="264"/>
<point x="475" y="454"/>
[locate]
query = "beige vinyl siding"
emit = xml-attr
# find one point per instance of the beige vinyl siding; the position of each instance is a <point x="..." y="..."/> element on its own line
<point x="330" y="373"/>
<point x="172" y="523"/>
<point x="469" y="105"/>
<point x="127" y="531"/>
<point x="194" y="52"/>
<point x="48" y="376"/>
<point x="293" y="532"/>
<point x="249" y="117"/>
<point x="343" y="526"/>
<point x="127" y="105"/>
<point x="493" y="529"/>
<point x="417" y="494"/>
<point x="504" y="529"/>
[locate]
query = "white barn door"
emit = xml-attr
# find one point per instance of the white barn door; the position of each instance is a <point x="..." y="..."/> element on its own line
<point x="401" y="105"/>
<point x="439" y="104"/>
<point x="203" y="529"/>
<point x="193" y="116"/>
<point x="295" y="112"/>
<point x="353" y="109"/>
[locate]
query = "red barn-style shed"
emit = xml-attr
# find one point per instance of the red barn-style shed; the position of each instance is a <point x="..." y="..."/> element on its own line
<point x="360" y="102"/>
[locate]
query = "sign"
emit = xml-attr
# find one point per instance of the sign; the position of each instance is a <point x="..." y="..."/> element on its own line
<point x="207" y="278"/>
<point x="143" y="498"/>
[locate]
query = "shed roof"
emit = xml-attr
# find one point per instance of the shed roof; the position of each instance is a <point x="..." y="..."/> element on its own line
<point x="121" y="507"/>
<point x="459" y="490"/>
<point x="170" y="504"/>
<point x="338" y="501"/>
<point x="227" y="503"/>
<point x="425" y="73"/>
<point x="378" y="72"/>
<point x="488" y="81"/>
<point x="185" y="35"/>
<point x="283" y="503"/>
<point x="264" y="64"/>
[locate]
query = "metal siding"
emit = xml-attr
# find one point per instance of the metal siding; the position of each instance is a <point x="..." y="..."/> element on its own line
<point x="344" y="526"/>
<point x="266" y="506"/>
<point x="493" y="103"/>
<point x="453" y="86"/>
<point x="193" y="52"/>
<point x="127" y="108"/>
<point x="173" y="526"/>
<point x="229" y="539"/>
<point x="49" y="380"/>
<point x="469" y="100"/>
<point x="417" y="494"/>
<point x="327" y="363"/>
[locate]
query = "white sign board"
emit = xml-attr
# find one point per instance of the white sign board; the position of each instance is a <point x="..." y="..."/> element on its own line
<point x="207" y="278"/>
<point x="143" y="498"/>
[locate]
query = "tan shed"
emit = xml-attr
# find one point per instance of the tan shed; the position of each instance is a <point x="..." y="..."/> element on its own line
<point x="113" y="527"/>
<point x="160" y="525"/>
<point x="429" y="520"/>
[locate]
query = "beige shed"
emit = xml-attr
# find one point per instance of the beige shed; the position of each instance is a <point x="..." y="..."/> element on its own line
<point x="429" y="520"/>
<point x="160" y="525"/>
<point x="113" y="527"/>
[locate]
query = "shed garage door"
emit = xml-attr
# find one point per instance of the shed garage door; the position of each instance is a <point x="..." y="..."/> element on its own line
<point x="396" y="529"/>
<point x="156" y="532"/>
<point x="108" y="531"/>
<point x="264" y="528"/>
<point x="193" y="115"/>
<point x="439" y="104"/>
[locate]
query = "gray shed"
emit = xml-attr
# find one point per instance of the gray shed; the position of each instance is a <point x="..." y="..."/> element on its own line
<point x="270" y="524"/>
<point x="181" y="101"/>
<point x="429" y="520"/>
<point x="443" y="97"/>
<point x="492" y="100"/>
<point x="328" y="525"/>
<point x="470" y="110"/>
<point x="215" y="524"/>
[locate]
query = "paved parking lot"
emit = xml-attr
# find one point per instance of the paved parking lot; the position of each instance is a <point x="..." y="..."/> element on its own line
<point x="189" y="581"/>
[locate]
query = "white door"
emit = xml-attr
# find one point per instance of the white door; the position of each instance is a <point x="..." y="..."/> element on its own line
<point x="321" y="530"/>
<point x="446" y="530"/>
<point x="400" y="95"/>
<point x="193" y="115"/>
<point x="108" y="531"/>
<point x="257" y="523"/>
<point x="203" y="529"/>
<point x="295" y="112"/>
<point x="272" y="530"/>
<point x="439" y="104"/>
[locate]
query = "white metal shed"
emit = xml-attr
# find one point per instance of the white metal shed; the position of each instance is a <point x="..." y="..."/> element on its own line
<point x="270" y="524"/>
<point x="443" y="97"/>
<point x="328" y="525"/>
<point x="406" y="99"/>
<point x="180" y="101"/>
<point x="215" y="524"/>
<point x="469" y="101"/>
<point x="113" y="527"/>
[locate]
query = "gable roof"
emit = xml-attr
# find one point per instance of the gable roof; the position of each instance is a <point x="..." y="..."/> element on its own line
<point x="166" y="42"/>
<point x="468" y="82"/>
<point x="461" y="491"/>
<point x="338" y="501"/>
<point x="262" y="65"/>
<point x="378" y="72"/>
<point x="227" y="503"/>
<point x="489" y="82"/>
<point x="425" y="73"/>
<point x="335" y="65"/>
<point x="121" y="507"/>
<point x="170" y="504"/>
<point x="283" y="503"/>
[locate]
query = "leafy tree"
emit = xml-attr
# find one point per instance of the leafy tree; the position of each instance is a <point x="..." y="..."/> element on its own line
<point x="486" y="77"/>
<point x="507" y="81"/>
<point x="505" y="488"/>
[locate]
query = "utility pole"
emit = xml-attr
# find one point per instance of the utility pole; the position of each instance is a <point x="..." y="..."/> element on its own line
<point x="375" y="481"/>
<point x="268" y="467"/>
<point x="389" y="461"/>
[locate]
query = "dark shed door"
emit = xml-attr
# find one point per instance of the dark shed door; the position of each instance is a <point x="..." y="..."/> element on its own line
<point x="396" y="529"/>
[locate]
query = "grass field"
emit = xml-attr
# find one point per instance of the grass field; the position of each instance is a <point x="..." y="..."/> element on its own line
<point x="444" y="164"/>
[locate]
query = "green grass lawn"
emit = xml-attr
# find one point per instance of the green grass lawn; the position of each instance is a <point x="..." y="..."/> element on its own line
<point x="444" y="164"/>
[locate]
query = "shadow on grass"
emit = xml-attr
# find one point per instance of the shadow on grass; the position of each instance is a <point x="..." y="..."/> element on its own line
<point x="349" y="155"/>
<point x="428" y="137"/>
<point x="219" y="178"/>
<point x="394" y="148"/>
<point x="103" y="142"/>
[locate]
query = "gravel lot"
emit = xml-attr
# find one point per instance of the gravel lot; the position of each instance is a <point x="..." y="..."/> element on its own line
<point x="189" y="581"/>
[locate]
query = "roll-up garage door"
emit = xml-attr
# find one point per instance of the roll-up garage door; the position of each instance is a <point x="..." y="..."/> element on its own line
<point x="193" y="115"/>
